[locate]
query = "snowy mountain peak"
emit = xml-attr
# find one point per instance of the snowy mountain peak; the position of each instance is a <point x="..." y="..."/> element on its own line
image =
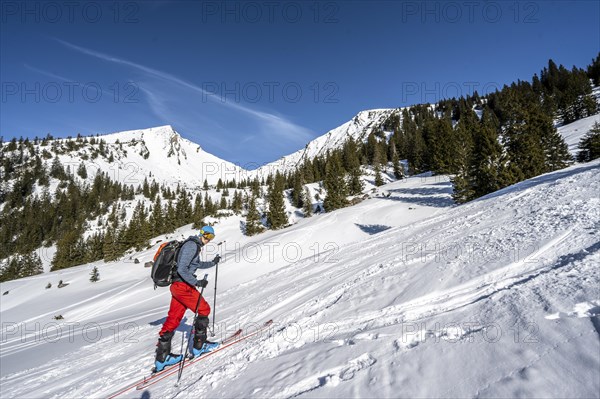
<point x="358" y="128"/>
<point x="163" y="135"/>
<point x="163" y="153"/>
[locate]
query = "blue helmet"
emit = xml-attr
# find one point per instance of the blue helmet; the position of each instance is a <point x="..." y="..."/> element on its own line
<point x="208" y="232"/>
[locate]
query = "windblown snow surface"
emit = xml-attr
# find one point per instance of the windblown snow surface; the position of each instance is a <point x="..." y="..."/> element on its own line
<point x="403" y="295"/>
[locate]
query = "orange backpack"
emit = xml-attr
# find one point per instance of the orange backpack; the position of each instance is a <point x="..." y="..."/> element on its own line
<point x="165" y="263"/>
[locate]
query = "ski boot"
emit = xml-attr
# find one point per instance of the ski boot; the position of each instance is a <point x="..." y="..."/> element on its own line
<point x="201" y="343"/>
<point x="206" y="347"/>
<point x="164" y="357"/>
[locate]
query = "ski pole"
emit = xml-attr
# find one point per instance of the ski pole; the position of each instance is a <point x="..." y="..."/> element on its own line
<point x="190" y="337"/>
<point x="215" y="298"/>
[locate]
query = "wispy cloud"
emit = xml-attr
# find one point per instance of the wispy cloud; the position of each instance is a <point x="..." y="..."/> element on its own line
<point x="60" y="78"/>
<point x="46" y="73"/>
<point x="270" y="123"/>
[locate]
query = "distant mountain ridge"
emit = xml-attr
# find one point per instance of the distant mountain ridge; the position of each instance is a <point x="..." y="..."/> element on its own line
<point x="162" y="154"/>
<point x="157" y="153"/>
<point x="184" y="162"/>
<point x="358" y="128"/>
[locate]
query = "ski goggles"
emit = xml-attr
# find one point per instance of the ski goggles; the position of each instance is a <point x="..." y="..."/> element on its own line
<point x="208" y="236"/>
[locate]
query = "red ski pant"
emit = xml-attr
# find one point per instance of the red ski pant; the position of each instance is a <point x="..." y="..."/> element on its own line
<point x="184" y="296"/>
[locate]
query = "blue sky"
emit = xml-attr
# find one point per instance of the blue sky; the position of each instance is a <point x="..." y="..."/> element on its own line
<point x="253" y="81"/>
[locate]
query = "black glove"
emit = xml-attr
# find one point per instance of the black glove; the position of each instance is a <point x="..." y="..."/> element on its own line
<point x="217" y="259"/>
<point x="202" y="283"/>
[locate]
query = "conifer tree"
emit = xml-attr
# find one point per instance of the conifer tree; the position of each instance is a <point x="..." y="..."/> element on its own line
<point x="94" y="248"/>
<point x="351" y="163"/>
<point x="460" y="143"/>
<point x="170" y="218"/>
<point x="522" y="137"/>
<point x="398" y="172"/>
<point x="198" y="213"/>
<point x="297" y="190"/>
<point x="415" y="144"/>
<point x="589" y="145"/>
<point x="56" y="169"/>
<point x="253" y="225"/>
<point x="94" y="275"/>
<point x="378" y="177"/>
<point x="355" y="183"/>
<point x="377" y="162"/>
<point x="146" y="188"/>
<point x="556" y="151"/>
<point x="121" y="244"/>
<point x="236" y="204"/>
<point x="335" y="185"/>
<point x="593" y="70"/>
<point x="255" y="187"/>
<point x="11" y="271"/>
<point x="82" y="171"/>
<point x="350" y="158"/>
<point x="209" y="207"/>
<point x="157" y="217"/>
<point x="69" y="250"/>
<point x="462" y="186"/>
<point x="31" y="264"/>
<point x="276" y="216"/>
<point x="109" y="247"/>
<point x="435" y="155"/>
<point x="129" y="234"/>
<point x="307" y="208"/>
<point x="486" y="165"/>
<point x="183" y="209"/>
<point x="307" y="171"/>
<point x="145" y="229"/>
<point x="371" y="149"/>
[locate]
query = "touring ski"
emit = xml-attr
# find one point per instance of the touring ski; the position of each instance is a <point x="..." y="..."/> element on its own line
<point x="166" y="373"/>
<point x="226" y="341"/>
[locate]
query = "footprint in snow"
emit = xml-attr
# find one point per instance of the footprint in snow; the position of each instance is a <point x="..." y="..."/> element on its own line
<point x="330" y="377"/>
<point x="450" y="334"/>
<point x="358" y="337"/>
<point x="582" y="309"/>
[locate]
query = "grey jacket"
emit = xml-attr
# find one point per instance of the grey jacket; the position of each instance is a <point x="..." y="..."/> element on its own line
<point x="188" y="261"/>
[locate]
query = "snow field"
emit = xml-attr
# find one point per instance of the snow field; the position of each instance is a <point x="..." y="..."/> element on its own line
<point x="476" y="300"/>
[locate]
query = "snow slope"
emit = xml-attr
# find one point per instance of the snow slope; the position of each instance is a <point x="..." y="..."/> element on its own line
<point x="573" y="132"/>
<point x="495" y="298"/>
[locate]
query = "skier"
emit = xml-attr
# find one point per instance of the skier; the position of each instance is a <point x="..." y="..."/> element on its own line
<point x="186" y="296"/>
